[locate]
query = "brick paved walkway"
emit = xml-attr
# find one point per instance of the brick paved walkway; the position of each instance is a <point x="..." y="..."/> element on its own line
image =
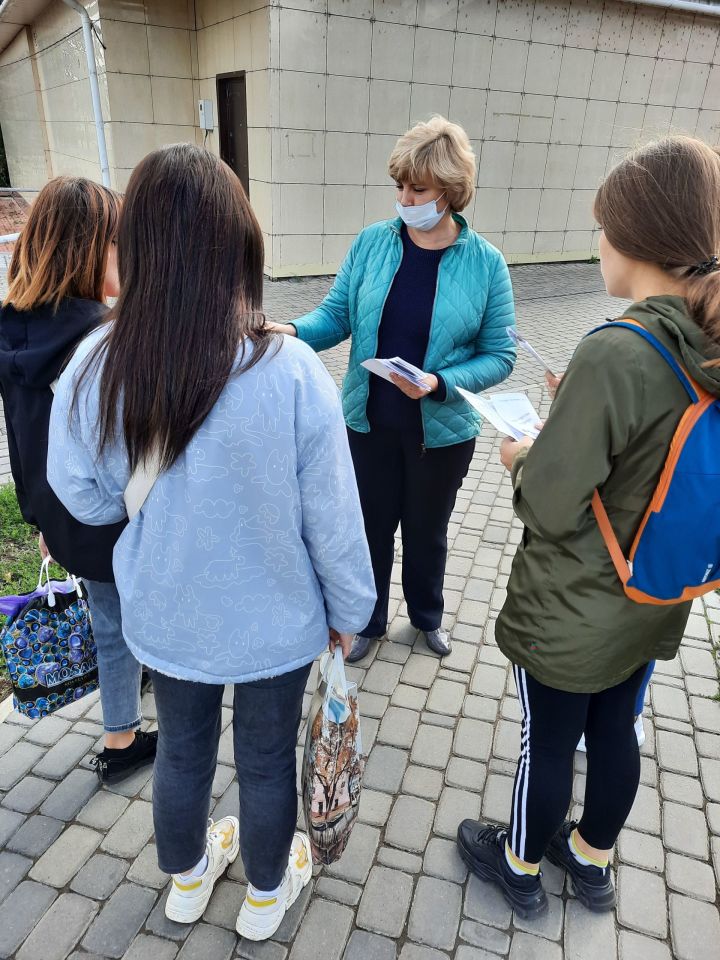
<point x="78" y="876"/>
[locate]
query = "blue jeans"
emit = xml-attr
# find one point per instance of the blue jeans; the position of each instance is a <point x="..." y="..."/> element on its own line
<point x="640" y="702"/>
<point x="119" y="670"/>
<point x="266" y="720"/>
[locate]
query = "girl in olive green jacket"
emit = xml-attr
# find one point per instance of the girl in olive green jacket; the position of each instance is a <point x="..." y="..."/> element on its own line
<point x="579" y="646"/>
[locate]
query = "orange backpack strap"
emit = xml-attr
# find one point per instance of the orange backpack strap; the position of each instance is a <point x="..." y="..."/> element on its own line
<point x="611" y="541"/>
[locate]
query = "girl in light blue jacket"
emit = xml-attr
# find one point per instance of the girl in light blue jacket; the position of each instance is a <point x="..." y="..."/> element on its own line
<point x="248" y="556"/>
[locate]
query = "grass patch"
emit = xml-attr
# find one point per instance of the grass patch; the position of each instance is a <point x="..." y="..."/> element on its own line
<point x="19" y="560"/>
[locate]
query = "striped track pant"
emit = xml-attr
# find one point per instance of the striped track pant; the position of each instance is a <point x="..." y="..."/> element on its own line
<point x="552" y="723"/>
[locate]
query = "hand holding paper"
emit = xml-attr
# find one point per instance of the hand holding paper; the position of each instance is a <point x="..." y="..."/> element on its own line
<point x="399" y="367"/>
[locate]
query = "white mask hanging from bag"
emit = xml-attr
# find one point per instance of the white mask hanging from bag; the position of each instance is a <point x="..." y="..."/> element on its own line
<point x="423" y="216"/>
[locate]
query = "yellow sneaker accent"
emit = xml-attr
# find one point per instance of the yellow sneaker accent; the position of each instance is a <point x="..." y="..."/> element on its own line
<point x="187" y="886"/>
<point x="301" y="860"/>
<point x="260" y="903"/>
<point x="578" y="851"/>
<point x="228" y="835"/>
<point x="528" y="871"/>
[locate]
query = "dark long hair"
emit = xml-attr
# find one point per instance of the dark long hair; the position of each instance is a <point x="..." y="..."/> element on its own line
<point x="661" y="205"/>
<point x="190" y="257"/>
<point x="63" y="248"/>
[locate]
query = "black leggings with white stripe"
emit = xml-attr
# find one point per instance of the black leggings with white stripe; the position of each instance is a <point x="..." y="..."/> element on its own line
<point x="553" y="722"/>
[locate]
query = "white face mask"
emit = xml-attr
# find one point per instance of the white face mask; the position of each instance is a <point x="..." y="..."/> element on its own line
<point x="423" y="216"/>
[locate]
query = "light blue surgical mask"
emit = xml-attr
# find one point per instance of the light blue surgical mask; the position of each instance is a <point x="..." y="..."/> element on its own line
<point x="423" y="216"/>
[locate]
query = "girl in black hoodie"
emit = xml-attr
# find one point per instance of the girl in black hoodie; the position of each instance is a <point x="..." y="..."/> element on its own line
<point x="63" y="268"/>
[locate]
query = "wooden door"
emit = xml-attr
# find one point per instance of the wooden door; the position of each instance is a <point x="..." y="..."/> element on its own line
<point x="232" y="122"/>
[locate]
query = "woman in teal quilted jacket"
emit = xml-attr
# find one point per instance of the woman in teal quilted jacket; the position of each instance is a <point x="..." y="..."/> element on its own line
<point x="426" y="288"/>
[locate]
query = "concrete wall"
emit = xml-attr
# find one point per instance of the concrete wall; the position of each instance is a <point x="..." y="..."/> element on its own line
<point x="149" y="63"/>
<point x="550" y="93"/>
<point x="234" y="35"/>
<point x="45" y="111"/>
<point x="21" y="125"/>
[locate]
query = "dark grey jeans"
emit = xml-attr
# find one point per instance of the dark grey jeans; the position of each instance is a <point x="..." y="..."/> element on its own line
<point x="266" y="719"/>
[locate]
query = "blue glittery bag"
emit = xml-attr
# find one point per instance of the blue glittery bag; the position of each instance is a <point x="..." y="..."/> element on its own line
<point x="48" y="646"/>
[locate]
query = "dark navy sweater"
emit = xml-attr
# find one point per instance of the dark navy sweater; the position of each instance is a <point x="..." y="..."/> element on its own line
<point x="404" y="332"/>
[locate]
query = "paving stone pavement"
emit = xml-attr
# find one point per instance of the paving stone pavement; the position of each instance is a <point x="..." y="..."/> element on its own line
<point x="78" y="876"/>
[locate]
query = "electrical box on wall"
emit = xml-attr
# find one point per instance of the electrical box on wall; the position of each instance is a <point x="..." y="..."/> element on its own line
<point x="205" y="109"/>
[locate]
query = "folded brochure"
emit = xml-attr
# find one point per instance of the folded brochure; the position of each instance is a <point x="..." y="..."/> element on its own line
<point x="383" y="368"/>
<point x="511" y="414"/>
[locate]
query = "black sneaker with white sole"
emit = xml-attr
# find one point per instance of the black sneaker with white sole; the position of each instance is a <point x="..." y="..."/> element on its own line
<point x="112" y="766"/>
<point x="593" y="885"/>
<point x="482" y="847"/>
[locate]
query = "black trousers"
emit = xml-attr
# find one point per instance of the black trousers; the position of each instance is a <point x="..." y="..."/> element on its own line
<point x="553" y="722"/>
<point x="402" y="483"/>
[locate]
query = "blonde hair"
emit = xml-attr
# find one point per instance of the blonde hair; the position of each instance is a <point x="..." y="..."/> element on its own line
<point x="438" y="151"/>
<point x="63" y="248"/>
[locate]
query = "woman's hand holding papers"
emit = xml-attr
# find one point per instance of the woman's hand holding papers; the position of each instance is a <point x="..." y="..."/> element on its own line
<point x="552" y="382"/>
<point x="510" y="448"/>
<point x="411" y="390"/>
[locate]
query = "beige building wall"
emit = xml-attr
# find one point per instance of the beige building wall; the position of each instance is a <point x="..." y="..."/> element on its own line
<point x="46" y="112"/>
<point x="21" y="126"/>
<point x="232" y="36"/>
<point x="149" y="57"/>
<point x="550" y="94"/>
<point x="64" y="89"/>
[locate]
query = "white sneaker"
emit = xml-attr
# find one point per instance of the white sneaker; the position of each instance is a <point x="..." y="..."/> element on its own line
<point x="189" y="896"/>
<point x="259" y="919"/>
<point x="639" y="730"/>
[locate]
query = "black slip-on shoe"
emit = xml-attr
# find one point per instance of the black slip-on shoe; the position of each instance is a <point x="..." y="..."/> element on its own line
<point x="593" y="885"/>
<point x="482" y="847"/>
<point x="360" y="647"/>
<point x="439" y="641"/>
<point x="112" y="766"/>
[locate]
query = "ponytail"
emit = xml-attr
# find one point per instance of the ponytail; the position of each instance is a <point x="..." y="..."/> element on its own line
<point x="703" y="300"/>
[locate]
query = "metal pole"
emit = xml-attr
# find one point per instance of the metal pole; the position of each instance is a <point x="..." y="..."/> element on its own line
<point x="683" y="6"/>
<point x="94" y="88"/>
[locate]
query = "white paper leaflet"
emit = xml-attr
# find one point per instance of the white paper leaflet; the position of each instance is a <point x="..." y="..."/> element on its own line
<point x="511" y="414"/>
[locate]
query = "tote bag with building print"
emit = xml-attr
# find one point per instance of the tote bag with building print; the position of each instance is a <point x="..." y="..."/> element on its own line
<point x="333" y="762"/>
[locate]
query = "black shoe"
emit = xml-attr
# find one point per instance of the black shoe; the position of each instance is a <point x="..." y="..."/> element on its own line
<point x="112" y="766"/>
<point x="593" y="885"/>
<point x="439" y="641"/>
<point x="482" y="847"/>
<point x="360" y="647"/>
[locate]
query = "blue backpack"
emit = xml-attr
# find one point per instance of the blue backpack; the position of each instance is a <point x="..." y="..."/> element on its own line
<point x="675" y="555"/>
